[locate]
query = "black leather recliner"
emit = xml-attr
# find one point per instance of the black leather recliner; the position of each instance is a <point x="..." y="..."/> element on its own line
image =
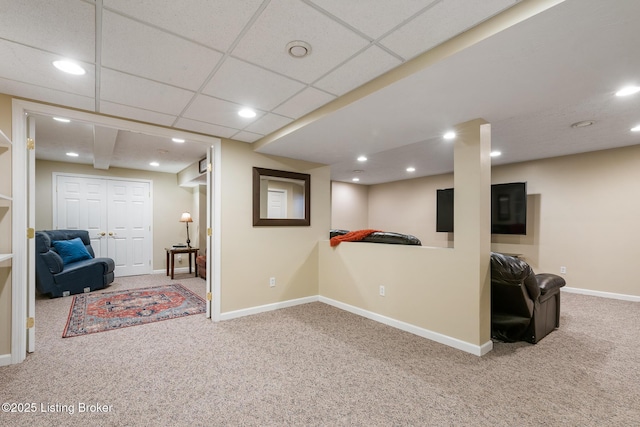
<point x="524" y="306"/>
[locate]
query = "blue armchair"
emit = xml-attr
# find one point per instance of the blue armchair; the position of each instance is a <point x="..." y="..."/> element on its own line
<point x="66" y="264"/>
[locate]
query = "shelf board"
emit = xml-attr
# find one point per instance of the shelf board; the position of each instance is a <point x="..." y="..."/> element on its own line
<point x="4" y="257"/>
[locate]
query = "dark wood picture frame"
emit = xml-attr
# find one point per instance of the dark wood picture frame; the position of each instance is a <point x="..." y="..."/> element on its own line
<point x="202" y="165"/>
<point x="281" y="222"/>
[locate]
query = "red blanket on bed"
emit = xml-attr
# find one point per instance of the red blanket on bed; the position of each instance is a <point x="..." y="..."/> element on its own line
<point x="352" y="236"/>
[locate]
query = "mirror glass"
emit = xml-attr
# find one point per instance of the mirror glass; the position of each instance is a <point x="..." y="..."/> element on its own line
<point x="280" y="197"/>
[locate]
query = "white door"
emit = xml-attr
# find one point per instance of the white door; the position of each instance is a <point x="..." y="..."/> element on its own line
<point x="277" y="204"/>
<point x="117" y="214"/>
<point x="82" y="205"/>
<point x="128" y="226"/>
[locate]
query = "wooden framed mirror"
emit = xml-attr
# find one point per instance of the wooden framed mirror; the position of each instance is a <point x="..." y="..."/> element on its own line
<point x="281" y="198"/>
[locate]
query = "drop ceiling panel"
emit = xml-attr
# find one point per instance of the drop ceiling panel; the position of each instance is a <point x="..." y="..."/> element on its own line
<point x="172" y="157"/>
<point x="137" y="92"/>
<point x="246" y="84"/>
<point x="66" y="27"/>
<point x="331" y="43"/>
<point x="374" y="17"/>
<point x="268" y="123"/>
<point x="28" y="65"/>
<point x="139" y="114"/>
<point x="304" y="102"/>
<point x="217" y="111"/>
<point x="155" y="54"/>
<point x="39" y="93"/>
<point x="247" y="136"/>
<point x="213" y="23"/>
<point x="359" y="70"/>
<point x="441" y="22"/>
<point x="206" y="128"/>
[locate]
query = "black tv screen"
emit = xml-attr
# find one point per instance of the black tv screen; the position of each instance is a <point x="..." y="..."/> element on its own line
<point x="444" y="210"/>
<point x="508" y="209"/>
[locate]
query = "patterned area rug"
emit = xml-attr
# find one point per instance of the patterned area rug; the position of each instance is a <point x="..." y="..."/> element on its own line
<point x="92" y="313"/>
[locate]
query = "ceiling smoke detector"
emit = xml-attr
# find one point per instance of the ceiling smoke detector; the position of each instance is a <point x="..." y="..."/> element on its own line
<point x="582" y="124"/>
<point x="298" y="49"/>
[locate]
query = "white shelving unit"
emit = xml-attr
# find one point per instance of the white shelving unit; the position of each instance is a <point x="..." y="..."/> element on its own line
<point x="5" y="200"/>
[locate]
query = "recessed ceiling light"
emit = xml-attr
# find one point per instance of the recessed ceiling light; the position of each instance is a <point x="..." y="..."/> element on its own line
<point x="582" y="124"/>
<point x="355" y="179"/>
<point x="178" y="140"/>
<point x="69" y="67"/>
<point x="298" y="49"/>
<point x="495" y="153"/>
<point x="635" y="129"/>
<point x="154" y="164"/>
<point x="362" y="159"/>
<point x="411" y="169"/>
<point x="247" y="113"/>
<point x="628" y="90"/>
<point x="449" y="135"/>
<point x="61" y="120"/>
<point x="72" y="154"/>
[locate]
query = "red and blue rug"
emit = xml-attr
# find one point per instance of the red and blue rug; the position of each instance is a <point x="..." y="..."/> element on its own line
<point x="107" y="311"/>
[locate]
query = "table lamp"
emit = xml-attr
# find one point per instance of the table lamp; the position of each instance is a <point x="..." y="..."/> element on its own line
<point x="186" y="217"/>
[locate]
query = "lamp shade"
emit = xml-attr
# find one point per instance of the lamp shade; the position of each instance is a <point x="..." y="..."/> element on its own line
<point x="186" y="217"/>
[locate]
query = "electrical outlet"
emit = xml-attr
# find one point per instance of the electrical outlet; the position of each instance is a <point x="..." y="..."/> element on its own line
<point x="381" y="291"/>
<point x="272" y="281"/>
<point x="563" y="270"/>
<point x="179" y="258"/>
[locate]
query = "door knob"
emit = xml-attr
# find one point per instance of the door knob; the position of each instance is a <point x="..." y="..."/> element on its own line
<point x="111" y="233"/>
<point x="102" y="234"/>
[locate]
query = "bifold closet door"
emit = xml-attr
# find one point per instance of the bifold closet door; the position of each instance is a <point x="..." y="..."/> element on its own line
<point x="128" y="205"/>
<point x="82" y="205"/>
<point x="117" y="214"/>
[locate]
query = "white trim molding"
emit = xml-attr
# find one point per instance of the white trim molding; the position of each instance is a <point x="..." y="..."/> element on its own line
<point x="601" y="294"/>
<point x="267" y="307"/>
<point x="477" y="350"/>
<point x="5" y="359"/>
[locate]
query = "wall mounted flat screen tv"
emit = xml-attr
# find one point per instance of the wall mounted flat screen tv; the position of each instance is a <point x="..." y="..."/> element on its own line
<point x="508" y="209"/>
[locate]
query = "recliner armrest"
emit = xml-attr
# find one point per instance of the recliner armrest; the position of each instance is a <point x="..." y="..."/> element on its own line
<point x="549" y="282"/>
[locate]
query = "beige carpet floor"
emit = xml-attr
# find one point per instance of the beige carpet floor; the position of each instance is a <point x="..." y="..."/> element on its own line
<point x="316" y="365"/>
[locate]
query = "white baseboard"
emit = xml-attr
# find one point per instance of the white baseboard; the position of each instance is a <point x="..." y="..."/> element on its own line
<point x="5" y="359"/>
<point x="601" y="294"/>
<point x="421" y="332"/>
<point x="407" y="327"/>
<point x="175" y="271"/>
<point x="267" y="307"/>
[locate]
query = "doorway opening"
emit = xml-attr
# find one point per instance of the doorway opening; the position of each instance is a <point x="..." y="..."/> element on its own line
<point x="23" y="301"/>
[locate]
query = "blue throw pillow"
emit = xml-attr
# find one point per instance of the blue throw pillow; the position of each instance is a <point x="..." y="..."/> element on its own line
<point x="71" y="250"/>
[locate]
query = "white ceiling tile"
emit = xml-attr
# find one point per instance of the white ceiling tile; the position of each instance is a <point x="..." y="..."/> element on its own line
<point x="284" y="21"/>
<point x="216" y="111"/>
<point x="137" y="92"/>
<point x="249" y="85"/>
<point x="303" y="103"/>
<point x="268" y="123"/>
<point x="136" y="113"/>
<point x="178" y="62"/>
<point x="206" y="128"/>
<point x="38" y="93"/>
<point x="66" y="27"/>
<point x="27" y="65"/>
<point x="441" y="22"/>
<point x="245" y="136"/>
<point x="369" y="64"/>
<point x="373" y="17"/>
<point x="213" y="23"/>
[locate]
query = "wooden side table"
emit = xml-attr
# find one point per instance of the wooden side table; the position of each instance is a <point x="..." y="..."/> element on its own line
<point x="171" y="253"/>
